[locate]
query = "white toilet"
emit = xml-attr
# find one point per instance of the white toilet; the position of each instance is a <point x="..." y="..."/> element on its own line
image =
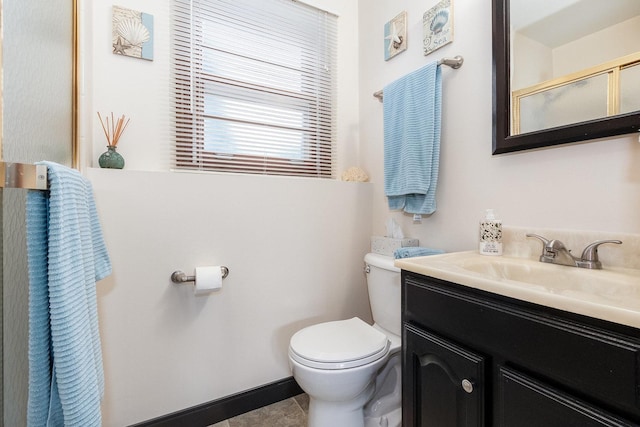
<point x="350" y="369"/>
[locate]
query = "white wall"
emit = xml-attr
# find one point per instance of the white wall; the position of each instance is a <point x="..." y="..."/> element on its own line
<point x="597" y="48"/>
<point x="590" y="186"/>
<point x="531" y="62"/>
<point x="295" y="247"/>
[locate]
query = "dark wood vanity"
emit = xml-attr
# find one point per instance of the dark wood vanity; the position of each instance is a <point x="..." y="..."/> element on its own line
<point x="474" y="358"/>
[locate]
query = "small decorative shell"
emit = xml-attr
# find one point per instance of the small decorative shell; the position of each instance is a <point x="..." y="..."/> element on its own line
<point x="133" y="32"/>
<point x="439" y="21"/>
<point x="356" y="174"/>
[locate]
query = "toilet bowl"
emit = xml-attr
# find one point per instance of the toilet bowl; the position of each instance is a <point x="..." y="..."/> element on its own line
<point x="350" y="369"/>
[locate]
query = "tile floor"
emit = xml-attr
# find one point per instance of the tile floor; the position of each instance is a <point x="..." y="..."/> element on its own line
<point x="287" y="413"/>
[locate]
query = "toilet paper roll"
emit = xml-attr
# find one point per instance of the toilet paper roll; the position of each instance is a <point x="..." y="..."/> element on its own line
<point x="208" y="279"/>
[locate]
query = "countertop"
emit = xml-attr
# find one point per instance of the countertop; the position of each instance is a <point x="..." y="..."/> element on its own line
<point x="611" y="294"/>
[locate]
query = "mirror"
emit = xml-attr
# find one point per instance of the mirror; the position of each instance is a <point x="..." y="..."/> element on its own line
<point x="537" y="106"/>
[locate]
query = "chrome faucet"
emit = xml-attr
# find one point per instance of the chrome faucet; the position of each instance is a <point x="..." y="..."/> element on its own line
<point x="555" y="252"/>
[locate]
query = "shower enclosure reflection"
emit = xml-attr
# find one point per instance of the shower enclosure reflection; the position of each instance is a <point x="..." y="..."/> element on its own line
<point x="572" y="61"/>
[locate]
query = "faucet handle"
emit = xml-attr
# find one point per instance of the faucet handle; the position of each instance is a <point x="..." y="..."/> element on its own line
<point x="589" y="258"/>
<point x="544" y="240"/>
<point x="544" y="257"/>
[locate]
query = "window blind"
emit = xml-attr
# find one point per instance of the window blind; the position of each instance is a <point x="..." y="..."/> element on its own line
<point x="254" y="87"/>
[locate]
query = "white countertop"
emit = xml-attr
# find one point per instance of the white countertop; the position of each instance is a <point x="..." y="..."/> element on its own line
<point x="611" y="294"/>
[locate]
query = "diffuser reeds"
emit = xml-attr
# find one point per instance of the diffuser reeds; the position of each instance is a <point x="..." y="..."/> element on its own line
<point x="113" y="129"/>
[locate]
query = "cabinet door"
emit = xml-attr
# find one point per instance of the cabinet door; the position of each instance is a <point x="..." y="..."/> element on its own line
<point x="442" y="382"/>
<point x="526" y="402"/>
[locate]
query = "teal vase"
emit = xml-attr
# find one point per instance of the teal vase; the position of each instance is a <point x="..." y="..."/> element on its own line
<point x="111" y="159"/>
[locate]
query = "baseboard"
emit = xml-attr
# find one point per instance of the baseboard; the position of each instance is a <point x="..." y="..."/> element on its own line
<point x="227" y="407"/>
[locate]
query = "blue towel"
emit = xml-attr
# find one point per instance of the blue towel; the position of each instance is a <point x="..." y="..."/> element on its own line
<point x="66" y="255"/>
<point x="413" y="251"/>
<point x="412" y="113"/>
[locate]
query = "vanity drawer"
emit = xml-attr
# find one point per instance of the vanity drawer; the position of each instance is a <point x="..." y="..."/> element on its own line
<point x="588" y="361"/>
<point x="526" y="402"/>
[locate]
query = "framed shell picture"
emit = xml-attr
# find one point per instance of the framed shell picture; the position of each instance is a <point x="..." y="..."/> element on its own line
<point x="395" y="36"/>
<point x="437" y="24"/>
<point x="132" y="33"/>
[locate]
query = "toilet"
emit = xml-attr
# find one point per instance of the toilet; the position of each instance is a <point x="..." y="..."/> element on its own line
<point x="351" y="370"/>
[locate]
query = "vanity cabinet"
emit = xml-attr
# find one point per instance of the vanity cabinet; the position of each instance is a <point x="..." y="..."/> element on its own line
<point x="444" y="380"/>
<point x="473" y="358"/>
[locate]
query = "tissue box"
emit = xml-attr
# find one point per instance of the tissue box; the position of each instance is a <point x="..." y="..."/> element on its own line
<point x="387" y="245"/>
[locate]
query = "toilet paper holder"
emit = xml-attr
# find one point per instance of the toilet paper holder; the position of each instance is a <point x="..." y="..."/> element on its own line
<point x="181" y="277"/>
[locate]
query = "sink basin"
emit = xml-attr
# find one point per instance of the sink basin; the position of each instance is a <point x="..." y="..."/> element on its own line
<point x="555" y="278"/>
<point x="608" y="294"/>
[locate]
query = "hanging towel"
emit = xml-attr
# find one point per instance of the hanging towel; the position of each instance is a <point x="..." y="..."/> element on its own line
<point x="413" y="251"/>
<point x="66" y="256"/>
<point x="412" y="112"/>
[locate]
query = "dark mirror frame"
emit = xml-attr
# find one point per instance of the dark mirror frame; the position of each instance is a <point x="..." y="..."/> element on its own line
<point x="503" y="141"/>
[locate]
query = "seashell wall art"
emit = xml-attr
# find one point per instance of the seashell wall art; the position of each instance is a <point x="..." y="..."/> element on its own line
<point x="132" y="33"/>
<point x="437" y="24"/>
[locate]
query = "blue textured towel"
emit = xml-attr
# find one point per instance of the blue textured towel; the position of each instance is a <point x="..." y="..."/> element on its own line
<point x="67" y="255"/>
<point x="413" y="251"/>
<point x="412" y="113"/>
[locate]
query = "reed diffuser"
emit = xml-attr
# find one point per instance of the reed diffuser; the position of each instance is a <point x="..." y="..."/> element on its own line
<point x="113" y="130"/>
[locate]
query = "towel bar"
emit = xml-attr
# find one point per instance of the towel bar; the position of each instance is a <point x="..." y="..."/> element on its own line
<point x="455" y="63"/>
<point x="181" y="277"/>
<point x="23" y="175"/>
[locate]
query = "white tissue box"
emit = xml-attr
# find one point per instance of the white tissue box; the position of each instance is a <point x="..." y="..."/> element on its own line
<point x="387" y="245"/>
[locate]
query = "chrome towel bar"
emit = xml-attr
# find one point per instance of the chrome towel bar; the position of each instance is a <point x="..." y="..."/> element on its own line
<point x="181" y="277"/>
<point x="23" y="175"/>
<point x="455" y="63"/>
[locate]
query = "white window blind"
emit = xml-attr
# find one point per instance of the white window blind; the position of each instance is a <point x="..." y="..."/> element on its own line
<point x="254" y="87"/>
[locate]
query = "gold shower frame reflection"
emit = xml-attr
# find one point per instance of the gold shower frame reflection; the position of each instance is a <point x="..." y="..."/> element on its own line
<point x="611" y="69"/>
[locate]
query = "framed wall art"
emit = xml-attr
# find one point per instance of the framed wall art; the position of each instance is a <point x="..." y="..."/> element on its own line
<point x="395" y="36"/>
<point x="437" y="24"/>
<point x="132" y="33"/>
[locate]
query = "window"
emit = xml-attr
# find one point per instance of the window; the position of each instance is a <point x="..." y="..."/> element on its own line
<point x="254" y="87"/>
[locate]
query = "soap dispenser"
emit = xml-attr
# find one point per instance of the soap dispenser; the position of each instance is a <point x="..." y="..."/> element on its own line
<point x="490" y="234"/>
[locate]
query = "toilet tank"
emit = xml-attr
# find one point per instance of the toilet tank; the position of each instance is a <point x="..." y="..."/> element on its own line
<point x="383" y="282"/>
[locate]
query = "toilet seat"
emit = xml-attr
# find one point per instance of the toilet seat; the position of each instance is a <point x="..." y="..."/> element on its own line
<point x="340" y="344"/>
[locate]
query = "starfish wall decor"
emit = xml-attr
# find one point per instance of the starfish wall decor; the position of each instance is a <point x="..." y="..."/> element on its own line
<point x="395" y="36"/>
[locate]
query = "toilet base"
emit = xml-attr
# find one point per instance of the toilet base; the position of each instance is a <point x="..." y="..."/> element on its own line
<point x="391" y="419"/>
<point x="343" y="414"/>
<point x="385" y="408"/>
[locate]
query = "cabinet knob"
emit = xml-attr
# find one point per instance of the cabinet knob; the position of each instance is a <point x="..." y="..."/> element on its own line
<point x="467" y="386"/>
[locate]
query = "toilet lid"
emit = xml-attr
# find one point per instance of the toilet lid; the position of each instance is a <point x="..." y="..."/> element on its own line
<point x="338" y="345"/>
